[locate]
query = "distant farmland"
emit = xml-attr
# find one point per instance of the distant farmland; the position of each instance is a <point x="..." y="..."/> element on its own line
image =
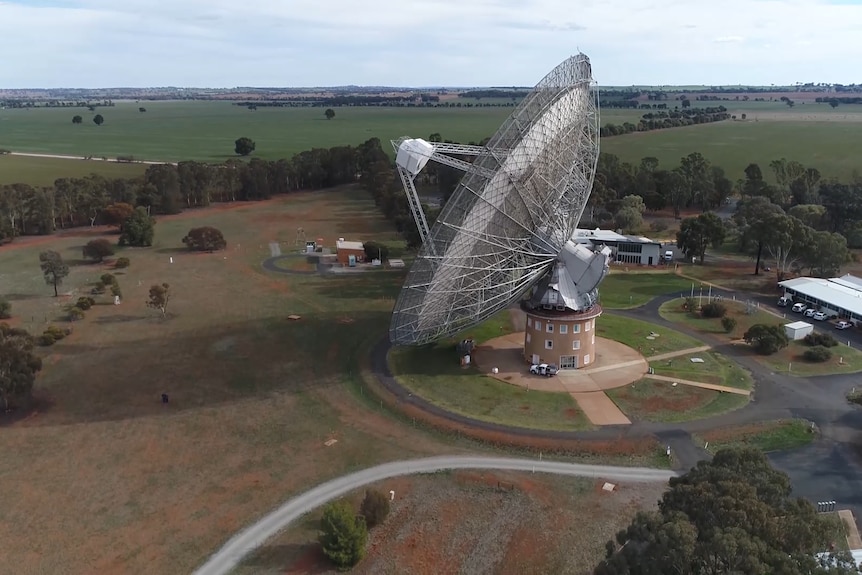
<point x="813" y="134"/>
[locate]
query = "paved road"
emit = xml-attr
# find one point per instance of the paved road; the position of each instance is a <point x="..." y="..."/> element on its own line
<point x="94" y="159"/>
<point x="249" y="539"/>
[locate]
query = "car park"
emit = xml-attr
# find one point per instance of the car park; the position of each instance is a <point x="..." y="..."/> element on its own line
<point x="798" y="307"/>
<point x="843" y="325"/>
<point x="543" y="369"/>
<point x="819" y="316"/>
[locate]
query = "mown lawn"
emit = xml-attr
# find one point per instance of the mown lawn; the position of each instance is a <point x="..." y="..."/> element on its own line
<point x="652" y="400"/>
<point x="715" y="369"/>
<point x="634" y="333"/>
<point x="766" y="436"/>
<point x="624" y="290"/>
<point x="433" y="373"/>
<point x="673" y="311"/>
<point x="789" y="360"/>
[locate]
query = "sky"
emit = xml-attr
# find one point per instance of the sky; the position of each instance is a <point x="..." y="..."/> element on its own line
<point x="298" y="43"/>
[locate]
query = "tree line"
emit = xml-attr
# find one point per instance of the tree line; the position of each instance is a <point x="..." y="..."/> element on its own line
<point x="168" y="189"/>
<point x="667" y="119"/>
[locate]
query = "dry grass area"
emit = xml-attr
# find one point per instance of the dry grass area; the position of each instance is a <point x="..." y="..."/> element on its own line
<point x="474" y="522"/>
<point x="652" y="400"/>
<point x="104" y="478"/>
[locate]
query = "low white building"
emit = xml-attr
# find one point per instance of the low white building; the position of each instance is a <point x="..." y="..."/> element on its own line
<point x="841" y="297"/>
<point x="798" y="329"/>
<point x="626" y="249"/>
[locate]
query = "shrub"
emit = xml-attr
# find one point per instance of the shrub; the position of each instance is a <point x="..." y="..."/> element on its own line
<point x="5" y="309"/>
<point x="108" y="279"/>
<point x="374" y="508"/>
<point x="98" y="290"/>
<point x="115" y="290"/>
<point x="820" y="339"/>
<point x="374" y="250"/>
<point x="122" y="263"/>
<point x="85" y="302"/>
<point x="76" y="313"/>
<point x="728" y="323"/>
<point x="205" y="239"/>
<point x="817" y="354"/>
<point x="690" y="304"/>
<point x="45" y="340"/>
<point x="342" y="535"/>
<point x="98" y="249"/>
<point x="57" y="332"/>
<point x="766" y="339"/>
<point x="713" y="309"/>
<point x="658" y="226"/>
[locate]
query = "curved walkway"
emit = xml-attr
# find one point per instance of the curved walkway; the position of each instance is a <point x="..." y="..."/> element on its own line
<point x="271" y="264"/>
<point x="252" y="537"/>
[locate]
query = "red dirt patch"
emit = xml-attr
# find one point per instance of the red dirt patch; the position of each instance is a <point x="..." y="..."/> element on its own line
<point x="662" y="404"/>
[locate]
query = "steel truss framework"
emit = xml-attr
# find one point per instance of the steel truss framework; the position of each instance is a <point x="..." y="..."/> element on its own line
<point x="512" y="212"/>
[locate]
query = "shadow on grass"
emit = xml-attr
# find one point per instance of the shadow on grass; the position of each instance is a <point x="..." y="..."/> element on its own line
<point x="182" y="250"/>
<point x="19" y="296"/>
<point x="110" y="319"/>
<point x="307" y="558"/>
<point x="125" y="377"/>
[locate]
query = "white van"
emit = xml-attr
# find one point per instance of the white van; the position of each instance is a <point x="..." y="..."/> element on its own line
<point x="784" y="301"/>
<point x="668" y="256"/>
<point x="798" y="307"/>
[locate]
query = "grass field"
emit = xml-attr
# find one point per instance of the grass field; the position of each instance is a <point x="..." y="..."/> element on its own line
<point x="789" y="360"/>
<point x="814" y="135"/>
<point x="651" y="400"/>
<point x="433" y="373"/>
<point x="715" y="369"/>
<point x="673" y="311"/>
<point x="43" y="171"/>
<point x="634" y="332"/>
<point x="118" y="482"/>
<point x="765" y="435"/>
<point x="473" y="522"/>
<point x="624" y="290"/>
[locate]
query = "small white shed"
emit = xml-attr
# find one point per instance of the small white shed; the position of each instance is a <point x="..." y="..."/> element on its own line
<point x="798" y="329"/>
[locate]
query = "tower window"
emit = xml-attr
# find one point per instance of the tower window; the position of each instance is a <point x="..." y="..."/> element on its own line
<point x="549" y="344"/>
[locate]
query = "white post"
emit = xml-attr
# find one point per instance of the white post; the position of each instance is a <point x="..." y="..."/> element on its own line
<point x="789" y="365"/>
<point x="706" y="446"/>
<point x="391" y="496"/>
<point x="172" y="259"/>
<point x="692" y="291"/>
<point x="709" y="297"/>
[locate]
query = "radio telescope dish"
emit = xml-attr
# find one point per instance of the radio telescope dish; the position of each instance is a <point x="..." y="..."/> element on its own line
<point x="512" y="215"/>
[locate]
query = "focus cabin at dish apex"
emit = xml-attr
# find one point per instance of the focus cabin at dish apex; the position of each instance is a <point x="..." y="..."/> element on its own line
<point x="345" y="249"/>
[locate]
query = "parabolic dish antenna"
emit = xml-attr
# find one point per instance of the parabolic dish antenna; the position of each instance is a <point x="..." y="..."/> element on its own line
<point x="510" y="221"/>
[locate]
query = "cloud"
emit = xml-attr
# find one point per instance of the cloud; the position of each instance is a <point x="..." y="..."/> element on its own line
<point x="422" y="42"/>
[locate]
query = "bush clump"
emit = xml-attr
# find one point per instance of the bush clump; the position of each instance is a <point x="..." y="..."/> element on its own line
<point x="85" y="302"/>
<point x="816" y="338"/>
<point x="342" y="535"/>
<point x="52" y="334"/>
<point x="728" y="323"/>
<point x="108" y="279"/>
<point x="817" y="354"/>
<point x="5" y="309"/>
<point x="76" y="313"/>
<point x="122" y="263"/>
<point x="766" y="339"/>
<point x="713" y="309"/>
<point x="205" y="239"/>
<point x="374" y="508"/>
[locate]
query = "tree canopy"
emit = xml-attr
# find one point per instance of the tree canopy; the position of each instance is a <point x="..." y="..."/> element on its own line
<point x="732" y="515"/>
<point x="138" y="229"/>
<point x="766" y="339"/>
<point x="98" y="119"/>
<point x="695" y="235"/>
<point x="205" y="239"/>
<point x="159" y="297"/>
<point x="244" y="146"/>
<point x="53" y="268"/>
<point x="329" y="113"/>
<point x="342" y="535"/>
<point x="18" y="365"/>
<point x="98" y="249"/>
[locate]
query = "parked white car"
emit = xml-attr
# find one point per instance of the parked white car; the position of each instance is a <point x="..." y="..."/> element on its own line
<point x="798" y="307"/>
<point x="543" y="369"/>
<point x="843" y="325"/>
<point x="819" y="316"/>
<point x="811" y="312"/>
<point x="784" y="301"/>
